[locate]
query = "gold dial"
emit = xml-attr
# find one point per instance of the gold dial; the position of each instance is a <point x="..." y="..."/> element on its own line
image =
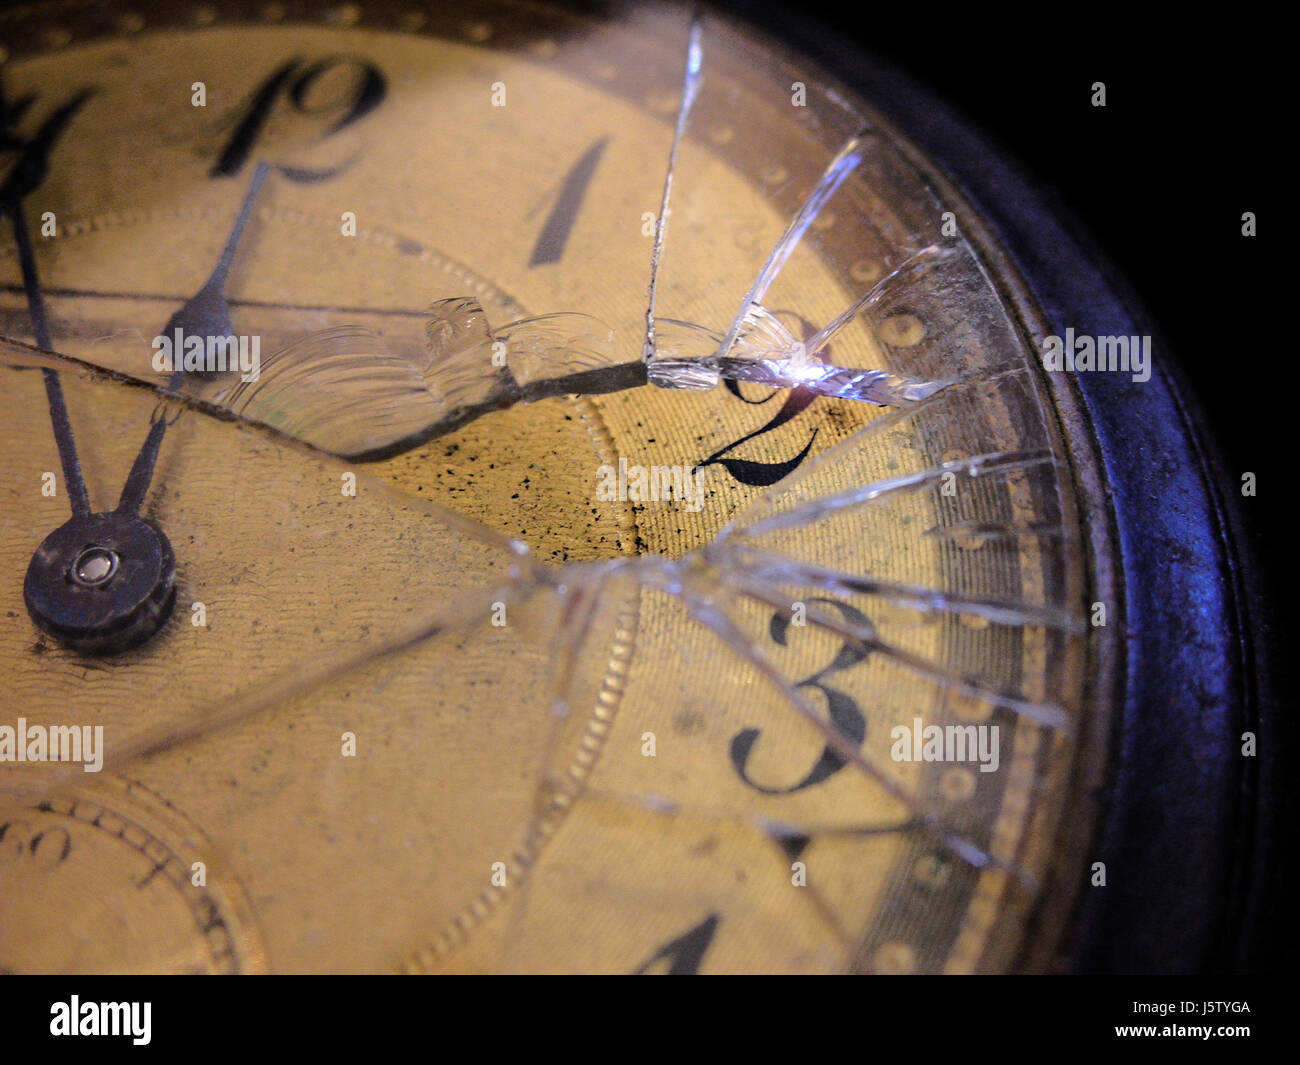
<point x="785" y="682"/>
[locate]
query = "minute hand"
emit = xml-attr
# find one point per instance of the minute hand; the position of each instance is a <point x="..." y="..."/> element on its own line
<point x="205" y="314"/>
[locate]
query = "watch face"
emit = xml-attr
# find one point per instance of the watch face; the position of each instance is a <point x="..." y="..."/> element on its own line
<point x="386" y="589"/>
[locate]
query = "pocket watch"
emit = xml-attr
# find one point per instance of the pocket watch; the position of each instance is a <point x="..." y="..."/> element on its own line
<point x="504" y="487"/>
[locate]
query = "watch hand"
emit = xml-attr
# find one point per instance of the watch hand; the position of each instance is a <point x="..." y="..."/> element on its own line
<point x="137" y="481"/>
<point x="204" y="314"/>
<point x="59" y="420"/>
<point x="28" y="172"/>
<point x="207" y="312"/>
